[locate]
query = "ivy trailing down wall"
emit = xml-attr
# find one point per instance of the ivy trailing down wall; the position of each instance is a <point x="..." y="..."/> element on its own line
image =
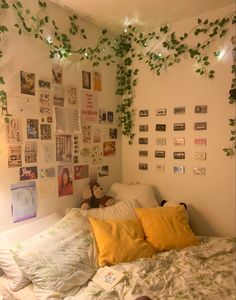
<point x="159" y="49"/>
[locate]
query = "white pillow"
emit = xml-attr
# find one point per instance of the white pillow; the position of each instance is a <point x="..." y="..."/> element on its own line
<point x="126" y="192"/>
<point x="120" y="210"/>
<point x="60" y="259"/>
<point x="10" y="237"/>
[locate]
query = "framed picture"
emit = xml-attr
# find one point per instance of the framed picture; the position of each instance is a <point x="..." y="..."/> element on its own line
<point x="179" y="169"/>
<point x="179" y="110"/>
<point x="199" y="171"/>
<point x="161" y="141"/>
<point x="143" y="141"/>
<point x="200" y="141"/>
<point x="200" y="109"/>
<point x="160" y="127"/>
<point x="143" y="166"/>
<point x="160" y="154"/>
<point x="143" y="153"/>
<point x="179" y="141"/>
<point x="179" y="155"/>
<point x="143" y="113"/>
<point x="161" y="112"/>
<point x="179" y="126"/>
<point x="143" y="127"/>
<point x="200" y="126"/>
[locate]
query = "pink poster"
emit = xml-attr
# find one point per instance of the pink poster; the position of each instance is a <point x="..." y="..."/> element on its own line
<point x="89" y="107"/>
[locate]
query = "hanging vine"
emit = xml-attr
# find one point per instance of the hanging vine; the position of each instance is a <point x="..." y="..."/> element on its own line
<point x="159" y="49"/>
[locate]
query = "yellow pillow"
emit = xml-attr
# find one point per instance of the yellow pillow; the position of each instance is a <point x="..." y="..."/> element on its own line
<point x="166" y="228"/>
<point x="119" y="241"/>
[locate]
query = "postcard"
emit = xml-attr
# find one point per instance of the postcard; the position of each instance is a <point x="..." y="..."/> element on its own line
<point x="143" y="113"/>
<point x="14" y="156"/>
<point x="107" y="278"/>
<point x="143" y="140"/>
<point x="161" y="141"/>
<point x="160" y="127"/>
<point x="200" y="141"/>
<point x="109" y="148"/>
<point x="32" y="129"/>
<point x="200" y="126"/>
<point x="143" y="166"/>
<point x="179" y="126"/>
<point x="179" y="110"/>
<point x="160" y="154"/>
<point x="179" y="155"/>
<point x="28" y="173"/>
<point x="143" y="128"/>
<point x="89" y="108"/>
<point x="143" y="153"/>
<point x="87" y="133"/>
<point x="200" y="109"/>
<point x="72" y="94"/>
<point x="45" y="105"/>
<point x="179" y="141"/>
<point x="47" y="173"/>
<point x="30" y="152"/>
<point x="110" y="117"/>
<point x="179" y="169"/>
<point x="199" y="171"/>
<point x="200" y="155"/>
<point x="81" y="172"/>
<point x="161" y="112"/>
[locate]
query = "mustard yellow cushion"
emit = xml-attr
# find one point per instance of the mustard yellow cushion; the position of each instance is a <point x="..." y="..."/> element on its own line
<point x="166" y="228"/>
<point x="119" y="241"/>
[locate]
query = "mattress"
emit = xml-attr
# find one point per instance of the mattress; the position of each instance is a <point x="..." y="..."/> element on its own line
<point x="23" y="294"/>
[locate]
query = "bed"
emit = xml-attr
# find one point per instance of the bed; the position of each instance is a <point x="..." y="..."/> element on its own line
<point x="204" y="270"/>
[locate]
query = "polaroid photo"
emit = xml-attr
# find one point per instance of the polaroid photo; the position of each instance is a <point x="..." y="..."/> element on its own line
<point x="200" y="141"/>
<point x="143" y="113"/>
<point x="160" y="168"/>
<point x="179" y="126"/>
<point x="161" y="141"/>
<point x="143" y="128"/>
<point x="179" y="155"/>
<point x="200" y="155"/>
<point x="143" y="166"/>
<point x="160" y="127"/>
<point x="143" y="141"/>
<point x="179" y="169"/>
<point x="200" y="126"/>
<point x="161" y="112"/>
<point x="160" y="154"/>
<point x="199" y="171"/>
<point x="200" y="109"/>
<point x="179" y="110"/>
<point x="143" y="153"/>
<point x="179" y="141"/>
<point x="27" y="83"/>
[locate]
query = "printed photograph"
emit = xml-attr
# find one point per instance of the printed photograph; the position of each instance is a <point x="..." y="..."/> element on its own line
<point x="143" y="141"/>
<point x="48" y="152"/>
<point x="47" y="173"/>
<point x="45" y="104"/>
<point x="86" y="80"/>
<point x="28" y="173"/>
<point x="200" y="126"/>
<point x="63" y="148"/>
<point x="143" y="166"/>
<point x="103" y="171"/>
<point x="14" y="131"/>
<point x="160" y="154"/>
<point x="199" y="171"/>
<point x="179" y="126"/>
<point x="160" y="127"/>
<point x="102" y="116"/>
<point x="179" y="110"/>
<point x="97" y="81"/>
<point x="161" y="112"/>
<point x="81" y="172"/>
<point x="143" y="113"/>
<point x="44" y="84"/>
<point x="23" y="201"/>
<point x="46" y="131"/>
<point x="30" y="152"/>
<point x="200" y="141"/>
<point x="59" y="95"/>
<point x="57" y="72"/>
<point x="113" y="133"/>
<point x="109" y="148"/>
<point x="27" y="83"/>
<point x="179" y="155"/>
<point x="200" y="155"/>
<point x="179" y="141"/>
<point x="32" y="129"/>
<point x="200" y="109"/>
<point x="65" y="180"/>
<point x="14" y="156"/>
<point x="143" y="153"/>
<point x="179" y="169"/>
<point x="110" y="117"/>
<point x="143" y="128"/>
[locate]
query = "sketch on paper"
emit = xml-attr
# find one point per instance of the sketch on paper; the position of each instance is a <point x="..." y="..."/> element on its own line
<point x="23" y="201"/>
<point x="14" y="131"/>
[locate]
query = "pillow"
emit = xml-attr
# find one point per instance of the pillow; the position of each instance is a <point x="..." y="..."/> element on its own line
<point x="166" y="228"/>
<point x="60" y="259"/>
<point x="120" y="210"/>
<point x="126" y="192"/>
<point x="119" y="241"/>
<point x="10" y="237"/>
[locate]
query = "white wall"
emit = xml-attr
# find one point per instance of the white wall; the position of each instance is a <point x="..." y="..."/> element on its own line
<point x="211" y="198"/>
<point x="23" y="53"/>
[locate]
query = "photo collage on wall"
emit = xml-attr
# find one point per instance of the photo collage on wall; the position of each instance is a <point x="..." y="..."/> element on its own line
<point x="178" y="139"/>
<point x="57" y="131"/>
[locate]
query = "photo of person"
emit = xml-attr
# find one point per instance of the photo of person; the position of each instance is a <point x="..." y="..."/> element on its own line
<point x="81" y="171"/>
<point x="27" y="173"/>
<point x="86" y="80"/>
<point x="32" y="129"/>
<point x="65" y="186"/>
<point x="97" y="81"/>
<point x="27" y="83"/>
<point x="57" y="74"/>
<point x="110" y="117"/>
<point x="45" y="130"/>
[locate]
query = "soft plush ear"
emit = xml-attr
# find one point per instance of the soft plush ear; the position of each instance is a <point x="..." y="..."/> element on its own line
<point x="163" y="202"/>
<point x="184" y="204"/>
<point x="171" y="203"/>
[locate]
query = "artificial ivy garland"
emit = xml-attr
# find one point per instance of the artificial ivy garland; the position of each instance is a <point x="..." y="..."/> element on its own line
<point x="131" y="44"/>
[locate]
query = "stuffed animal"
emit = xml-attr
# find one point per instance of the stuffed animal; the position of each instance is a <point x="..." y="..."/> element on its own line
<point x="171" y="203"/>
<point x="94" y="197"/>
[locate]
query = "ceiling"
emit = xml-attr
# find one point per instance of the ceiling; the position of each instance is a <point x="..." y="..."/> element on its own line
<point x="116" y="14"/>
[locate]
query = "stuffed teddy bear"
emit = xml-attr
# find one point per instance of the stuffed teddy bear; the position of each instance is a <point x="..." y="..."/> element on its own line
<point x="94" y="197"/>
<point x="171" y="203"/>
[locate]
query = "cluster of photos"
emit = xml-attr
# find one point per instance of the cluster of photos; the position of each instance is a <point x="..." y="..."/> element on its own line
<point x="178" y="140"/>
<point x="68" y="124"/>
